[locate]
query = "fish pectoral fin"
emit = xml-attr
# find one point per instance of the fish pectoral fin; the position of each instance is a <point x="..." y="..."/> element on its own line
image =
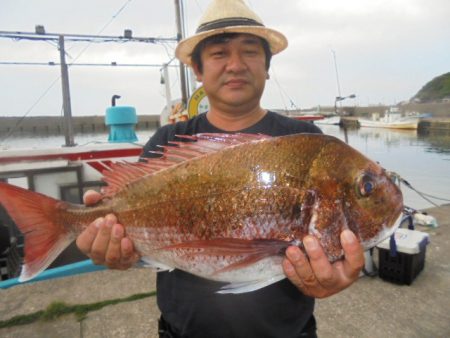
<point x="236" y="288"/>
<point x="249" y="251"/>
<point x="246" y="261"/>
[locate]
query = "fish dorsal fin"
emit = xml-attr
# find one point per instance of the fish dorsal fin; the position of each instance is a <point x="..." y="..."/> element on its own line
<point x="121" y="174"/>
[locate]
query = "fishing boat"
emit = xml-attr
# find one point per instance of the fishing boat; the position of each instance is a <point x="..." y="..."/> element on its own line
<point x="332" y="120"/>
<point x="63" y="173"/>
<point x="392" y="119"/>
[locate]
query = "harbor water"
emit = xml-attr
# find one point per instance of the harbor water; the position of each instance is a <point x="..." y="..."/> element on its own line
<point x="423" y="161"/>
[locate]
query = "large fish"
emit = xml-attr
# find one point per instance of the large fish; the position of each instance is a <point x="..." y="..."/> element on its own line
<point x="224" y="207"/>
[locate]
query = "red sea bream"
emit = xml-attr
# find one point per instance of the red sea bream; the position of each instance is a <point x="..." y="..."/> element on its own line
<point x="224" y="207"/>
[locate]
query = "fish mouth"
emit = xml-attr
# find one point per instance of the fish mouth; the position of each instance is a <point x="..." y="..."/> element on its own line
<point x="393" y="176"/>
<point x="383" y="234"/>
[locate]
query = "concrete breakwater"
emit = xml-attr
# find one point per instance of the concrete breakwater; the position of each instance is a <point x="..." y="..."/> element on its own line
<point x="439" y="124"/>
<point x="55" y="124"/>
<point x="96" y="124"/>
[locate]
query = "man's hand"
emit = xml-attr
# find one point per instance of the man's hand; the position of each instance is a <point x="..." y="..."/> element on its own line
<point x="104" y="240"/>
<point x="316" y="276"/>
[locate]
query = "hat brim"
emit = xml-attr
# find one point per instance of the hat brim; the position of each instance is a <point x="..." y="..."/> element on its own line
<point x="276" y="40"/>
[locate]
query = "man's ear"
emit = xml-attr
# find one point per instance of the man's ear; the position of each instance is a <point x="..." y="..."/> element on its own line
<point x="198" y="74"/>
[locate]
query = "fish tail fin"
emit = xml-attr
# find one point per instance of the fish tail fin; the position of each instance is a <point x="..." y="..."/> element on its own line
<point x="38" y="218"/>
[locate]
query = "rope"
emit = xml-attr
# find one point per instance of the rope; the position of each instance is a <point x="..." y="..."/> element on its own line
<point x="425" y="196"/>
<point x="396" y="178"/>
<point x="428" y="195"/>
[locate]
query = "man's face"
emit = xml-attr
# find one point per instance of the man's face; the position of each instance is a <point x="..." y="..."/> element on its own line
<point x="234" y="71"/>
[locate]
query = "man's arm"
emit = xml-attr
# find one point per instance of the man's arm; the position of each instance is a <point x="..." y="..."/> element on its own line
<point x="105" y="241"/>
<point x="316" y="276"/>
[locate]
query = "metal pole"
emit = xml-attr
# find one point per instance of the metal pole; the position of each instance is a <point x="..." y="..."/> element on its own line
<point x="180" y="36"/>
<point x="167" y="86"/>
<point x="68" y="127"/>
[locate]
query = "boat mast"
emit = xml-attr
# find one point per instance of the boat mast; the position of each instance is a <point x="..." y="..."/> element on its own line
<point x="337" y="74"/>
<point x="68" y="123"/>
<point x="180" y="36"/>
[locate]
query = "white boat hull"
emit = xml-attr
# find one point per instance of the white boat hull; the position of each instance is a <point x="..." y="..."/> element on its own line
<point x="406" y="124"/>
<point x="334" y="120"/>
<point x="392" y="119"/>
<point x="48" y="171"/>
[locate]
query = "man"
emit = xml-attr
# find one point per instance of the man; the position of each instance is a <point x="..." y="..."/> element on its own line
<point x="230" y="54"/>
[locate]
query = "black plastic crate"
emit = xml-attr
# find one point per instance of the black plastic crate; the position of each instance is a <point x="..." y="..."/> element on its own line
<point x="402" y="257"/>
<point x="402" y="268"/>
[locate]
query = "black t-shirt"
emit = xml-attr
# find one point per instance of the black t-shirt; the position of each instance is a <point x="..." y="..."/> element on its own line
<point x="190" y="304"/>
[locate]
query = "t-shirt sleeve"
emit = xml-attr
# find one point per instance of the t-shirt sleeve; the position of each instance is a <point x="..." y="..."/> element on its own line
<point x="286" y="125"/>
<point x="309" y="127"/>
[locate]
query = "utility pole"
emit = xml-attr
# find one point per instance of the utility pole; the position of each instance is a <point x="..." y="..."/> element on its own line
<point x="180" y="36"/>
<point x="68" y="123"/>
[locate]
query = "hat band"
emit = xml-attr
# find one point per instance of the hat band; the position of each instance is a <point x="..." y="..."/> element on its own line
<point x="229" y="22"/>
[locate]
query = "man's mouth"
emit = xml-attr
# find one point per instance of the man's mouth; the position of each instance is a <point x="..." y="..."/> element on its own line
<point x="235" y="82"/>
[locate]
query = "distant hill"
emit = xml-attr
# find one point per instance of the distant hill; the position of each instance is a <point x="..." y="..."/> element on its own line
<point x="434" y="91"/>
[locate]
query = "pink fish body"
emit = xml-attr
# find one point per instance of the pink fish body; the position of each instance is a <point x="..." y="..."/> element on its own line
<point x="224" y="207"/>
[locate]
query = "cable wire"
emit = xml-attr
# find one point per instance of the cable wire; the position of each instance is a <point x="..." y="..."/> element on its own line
<point x="283" y="93"/>
<point x="29" y="110"/>
<point x="102" y="29"/>
<point x="59" y="77"/>
<point x="112" y="64"/>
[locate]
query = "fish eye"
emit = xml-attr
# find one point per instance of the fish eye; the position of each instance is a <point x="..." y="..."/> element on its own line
<point x="365" y="185"/>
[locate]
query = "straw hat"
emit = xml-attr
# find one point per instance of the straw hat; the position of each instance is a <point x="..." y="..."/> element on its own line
<point x="229" y="16"/>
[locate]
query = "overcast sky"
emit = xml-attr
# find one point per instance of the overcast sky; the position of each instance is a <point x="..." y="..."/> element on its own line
<point x="386" y="50"/>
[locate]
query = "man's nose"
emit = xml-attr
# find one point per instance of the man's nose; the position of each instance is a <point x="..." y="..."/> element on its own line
<point x="236" y="63"/>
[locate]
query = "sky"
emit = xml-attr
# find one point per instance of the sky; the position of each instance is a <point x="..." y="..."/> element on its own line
<point x="382" y="51"/>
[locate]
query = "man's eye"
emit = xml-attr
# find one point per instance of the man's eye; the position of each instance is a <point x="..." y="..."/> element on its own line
<point x="217" y="53"/>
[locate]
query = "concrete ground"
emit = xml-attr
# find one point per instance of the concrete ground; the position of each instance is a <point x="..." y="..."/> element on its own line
<point x="370" y="308"/>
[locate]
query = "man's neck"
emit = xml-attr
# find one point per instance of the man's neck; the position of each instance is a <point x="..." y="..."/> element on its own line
<point x="235" y="121"/>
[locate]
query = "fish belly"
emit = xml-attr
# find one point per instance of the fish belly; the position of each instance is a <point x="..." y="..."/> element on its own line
<point x="242" y="263"/>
